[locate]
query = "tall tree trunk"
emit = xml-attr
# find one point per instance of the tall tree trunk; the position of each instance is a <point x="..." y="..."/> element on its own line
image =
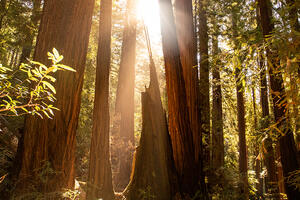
<point x="243" y="164"/>
<point x="295" y="27"/>
<point x="100" y="174"/>
<point x="204" y="82"/>
<point x="153" y="175"/>
<point x="272" y="181"/>
<point x="187" y="48"/>
<point x="287" y="146"/>
<point x="217" y="161"/>
<point x="29" y="37"/>
<point x="47" y="156"/>
<point x="125" y="94"/>
<point x="3" y="12"/>
<point x="257" y="162"/>
<point x="179" y="124"/>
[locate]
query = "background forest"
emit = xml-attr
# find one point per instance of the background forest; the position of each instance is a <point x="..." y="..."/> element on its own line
<point x="140" y="99"/>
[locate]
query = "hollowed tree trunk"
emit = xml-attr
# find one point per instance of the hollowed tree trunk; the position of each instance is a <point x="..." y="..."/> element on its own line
<point x="153" y="175"/>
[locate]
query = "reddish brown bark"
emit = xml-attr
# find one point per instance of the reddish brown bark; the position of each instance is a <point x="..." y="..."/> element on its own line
<point x="100" y="174"/>
<point x="153" y="169"/>
<point x="50" y="143"/>
<point x="287" y="146"/>
<point x="125" y="94"/>
<point x="243" y="165"/>
<point x="187" y="47"/>
<point x="179" y="124"/>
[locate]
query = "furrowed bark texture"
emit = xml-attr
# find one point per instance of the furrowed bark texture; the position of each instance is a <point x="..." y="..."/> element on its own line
<point x="100" y="174"/>
<point x="187" y="47"/>
<point x="287" y="146"/>
<point x="49" y="144"/>
<point x="153" y="170"/>
<point x="179" y="124"/>
<point x="125" y="94"/>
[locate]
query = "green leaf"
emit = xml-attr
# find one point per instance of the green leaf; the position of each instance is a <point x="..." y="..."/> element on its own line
<point x="49" y="86"/>
<point x="56" y="54"/>
<point x="66" y="67"/>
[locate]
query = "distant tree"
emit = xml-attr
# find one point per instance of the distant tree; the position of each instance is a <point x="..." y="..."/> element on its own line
<point x="100" y="174"/>
<point x="204" y="82"/>
<point x="125" y="94"/>
<point x="30" y="30"/>
<point x="218" y="155"/>
<point x="243" y="163"/>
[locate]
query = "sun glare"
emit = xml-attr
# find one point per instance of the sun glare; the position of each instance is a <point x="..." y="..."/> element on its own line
<point x="148" y="11"/>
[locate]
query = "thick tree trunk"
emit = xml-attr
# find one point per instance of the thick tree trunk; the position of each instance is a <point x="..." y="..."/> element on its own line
<point x="217" y="161"/>
<point x="153" y="175"/>
<point x="125" y="95"/>
<point x="179" y="124"/>
<point x="204" y="82"/>
<point x="47" y="157"/>
<point x="287" y="146"/>
<point x="187" y="47"/>
<point x="100" y="174"/>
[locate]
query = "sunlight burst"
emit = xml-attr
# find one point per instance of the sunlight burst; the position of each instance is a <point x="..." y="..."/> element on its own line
<point x="148" y="11"/>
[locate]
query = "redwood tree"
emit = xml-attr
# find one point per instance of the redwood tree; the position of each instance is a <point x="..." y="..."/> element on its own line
<point x="204" y="82"/>
<point x="100" y="174"/>
<point x="243" y="164"/>
<point x="125" y="94"/>
<point x="288" y="151"/>
<point x="29" y="37"/>
<point x="187" y="47"/>
<point x="47" y="152"/>
<point x="217" y="110"/>
<point x="179" y="124"/>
